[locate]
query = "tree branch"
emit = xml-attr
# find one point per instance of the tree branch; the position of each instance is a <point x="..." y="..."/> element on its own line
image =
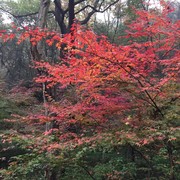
<point x="144" y="157"/>
<point x="98" y="10"/>
<point x="135" y="78"/>
<point x="75" y="3"/>
<point x="24" y="15"/>
<point x="94" y="10"/>
<point x="83" y="167"/>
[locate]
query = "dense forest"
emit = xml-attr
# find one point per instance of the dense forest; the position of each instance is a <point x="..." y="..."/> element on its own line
<point x="89" y="89"/>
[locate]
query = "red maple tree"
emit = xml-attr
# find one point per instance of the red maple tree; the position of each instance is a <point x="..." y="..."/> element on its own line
<point x="109" y="92"/>
<point x="106" y="85"/>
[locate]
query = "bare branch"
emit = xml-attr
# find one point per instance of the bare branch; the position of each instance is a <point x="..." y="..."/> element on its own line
<point x="75" y="3"/>
<point x="98" y="10"/>
<point x="24" y="15"/>
<point x="94" y="10"/>
<point x="78" y="2"/>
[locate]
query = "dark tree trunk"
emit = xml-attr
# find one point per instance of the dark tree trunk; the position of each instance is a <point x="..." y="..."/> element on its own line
<point x="71" y="13"/>
<point x="59" y="16"/>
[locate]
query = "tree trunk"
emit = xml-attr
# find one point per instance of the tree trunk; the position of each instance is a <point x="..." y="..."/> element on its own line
<point x="71" y="13"/>
<point x="43" y="11"/>
<point x="59" y="16"/>
<point x="37" y="51"/>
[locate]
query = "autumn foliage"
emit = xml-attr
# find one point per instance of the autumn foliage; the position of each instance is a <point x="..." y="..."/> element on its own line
<point x="113" y="80"/>
<point x="121" y="94"/>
